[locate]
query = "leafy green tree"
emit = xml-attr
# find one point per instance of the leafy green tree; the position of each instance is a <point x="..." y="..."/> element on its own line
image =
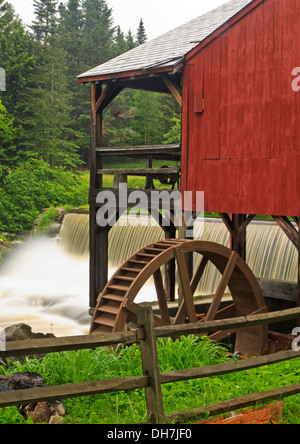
<point x="174" y="133"/>
<point x="32" y="187"/>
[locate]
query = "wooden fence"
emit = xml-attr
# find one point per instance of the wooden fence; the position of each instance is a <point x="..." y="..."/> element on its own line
<point x="152" y="380"/>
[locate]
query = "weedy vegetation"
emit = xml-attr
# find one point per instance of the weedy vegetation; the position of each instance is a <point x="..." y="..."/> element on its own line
<point x="130" y="407"/>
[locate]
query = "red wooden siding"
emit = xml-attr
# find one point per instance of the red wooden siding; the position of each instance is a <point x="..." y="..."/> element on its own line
<point x="243" y="148"/>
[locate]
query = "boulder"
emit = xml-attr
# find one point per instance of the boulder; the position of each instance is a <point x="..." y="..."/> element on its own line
<point x="23" y="332"/>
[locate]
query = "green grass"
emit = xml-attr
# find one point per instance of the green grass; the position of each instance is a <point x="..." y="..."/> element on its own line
<point x="130" y="407"/>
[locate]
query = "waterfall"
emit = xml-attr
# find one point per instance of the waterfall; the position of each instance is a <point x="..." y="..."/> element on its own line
<point x="269" y="252"/>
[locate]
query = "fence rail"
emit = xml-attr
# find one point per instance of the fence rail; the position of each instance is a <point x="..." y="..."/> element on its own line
<point x="146" y="336"/>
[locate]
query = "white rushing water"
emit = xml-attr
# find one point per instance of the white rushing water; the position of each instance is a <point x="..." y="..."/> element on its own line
<point x="45" y="288"/>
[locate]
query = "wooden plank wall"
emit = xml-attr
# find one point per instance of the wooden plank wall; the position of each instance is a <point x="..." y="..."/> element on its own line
<point x="243" y="146"/>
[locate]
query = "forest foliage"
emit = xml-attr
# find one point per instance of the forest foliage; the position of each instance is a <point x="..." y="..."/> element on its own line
<point x="45" y="112"/>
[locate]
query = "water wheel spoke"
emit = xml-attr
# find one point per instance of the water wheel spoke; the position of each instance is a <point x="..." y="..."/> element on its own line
<point x="220" y="335"/>
<point x="181" y="313"/>
<point x="161" y="296"/>
<point x="186" y="287"/>
<point x="132" y="309"/>
<point x="225" y="313"/>
<point x="228" y="313"/>
<point x="198" y="274"/>
<point x="222" y="286"/>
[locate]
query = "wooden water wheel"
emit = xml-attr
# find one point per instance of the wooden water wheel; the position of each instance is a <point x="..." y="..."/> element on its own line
<point x="116" y="304"/>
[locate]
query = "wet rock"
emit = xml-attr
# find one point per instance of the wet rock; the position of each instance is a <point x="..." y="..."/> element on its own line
<point x="45" y="412"/>
<point x="40" y="412"/>
<point x="15" y="244"/>
<point x="21" y="381"/>
<point x="23" y="332"/>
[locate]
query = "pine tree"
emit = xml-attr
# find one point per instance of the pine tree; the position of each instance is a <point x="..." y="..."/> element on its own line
<point x="6" y="15"/>
<point x="98" y="33"/>
<point x="17" y="58"/>
<point x="141" y="37"/>
<point x="70" y="32"/>
<point x="48" y="112"/>
<point x="44" y="25"/>
<point x="71" y="23"/>
<point x="130" y="40"/>
<point x="120" y="42"/>
<point x="49" y="133"/>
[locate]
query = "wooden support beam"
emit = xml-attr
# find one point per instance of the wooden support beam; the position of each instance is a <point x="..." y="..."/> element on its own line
<point x="108" y="95"/>
<point x="284" y="291"/>
<point x="173" y="88"/>
<point x="288" y="228"/>
<point x="170" y="269"/>
<point x="237" y="226"/>
<point x="246" y="222"/>
<point x="228" y="223"/>
<point x="92" y="160"/>
<point x="238" y="241"/>
<point x="185" y="285"/>
<point x="234" y="227"/>
<point x="298" y="295"/>
<point x="293" y="234"/>
<point x="143" y="150"/>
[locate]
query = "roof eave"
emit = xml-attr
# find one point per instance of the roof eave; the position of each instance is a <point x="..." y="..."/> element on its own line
<point x="140" y="73"/>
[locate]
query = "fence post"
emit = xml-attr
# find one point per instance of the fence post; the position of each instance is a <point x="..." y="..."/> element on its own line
<point x="154" y="400"/>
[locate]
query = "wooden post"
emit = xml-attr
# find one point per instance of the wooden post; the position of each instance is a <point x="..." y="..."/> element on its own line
<point x="98" y="237"/>
<point x="154" y="400"/>
<point x="238" y="242"/>
<point x="182" y="234"/>
<point x="93" y="178"/>
<point x="170" y="267"/>
<point x="149" y="180"/>
<point x="298" y="267"/>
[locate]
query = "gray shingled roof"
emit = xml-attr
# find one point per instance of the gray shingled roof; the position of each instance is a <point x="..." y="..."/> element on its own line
<point x="172" y="46"/>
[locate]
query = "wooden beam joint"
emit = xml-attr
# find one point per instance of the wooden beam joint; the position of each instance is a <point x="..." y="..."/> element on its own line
<point x="110" y="92"/>
<point x="234" y="230"/>
<point x="173" y="88"/>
